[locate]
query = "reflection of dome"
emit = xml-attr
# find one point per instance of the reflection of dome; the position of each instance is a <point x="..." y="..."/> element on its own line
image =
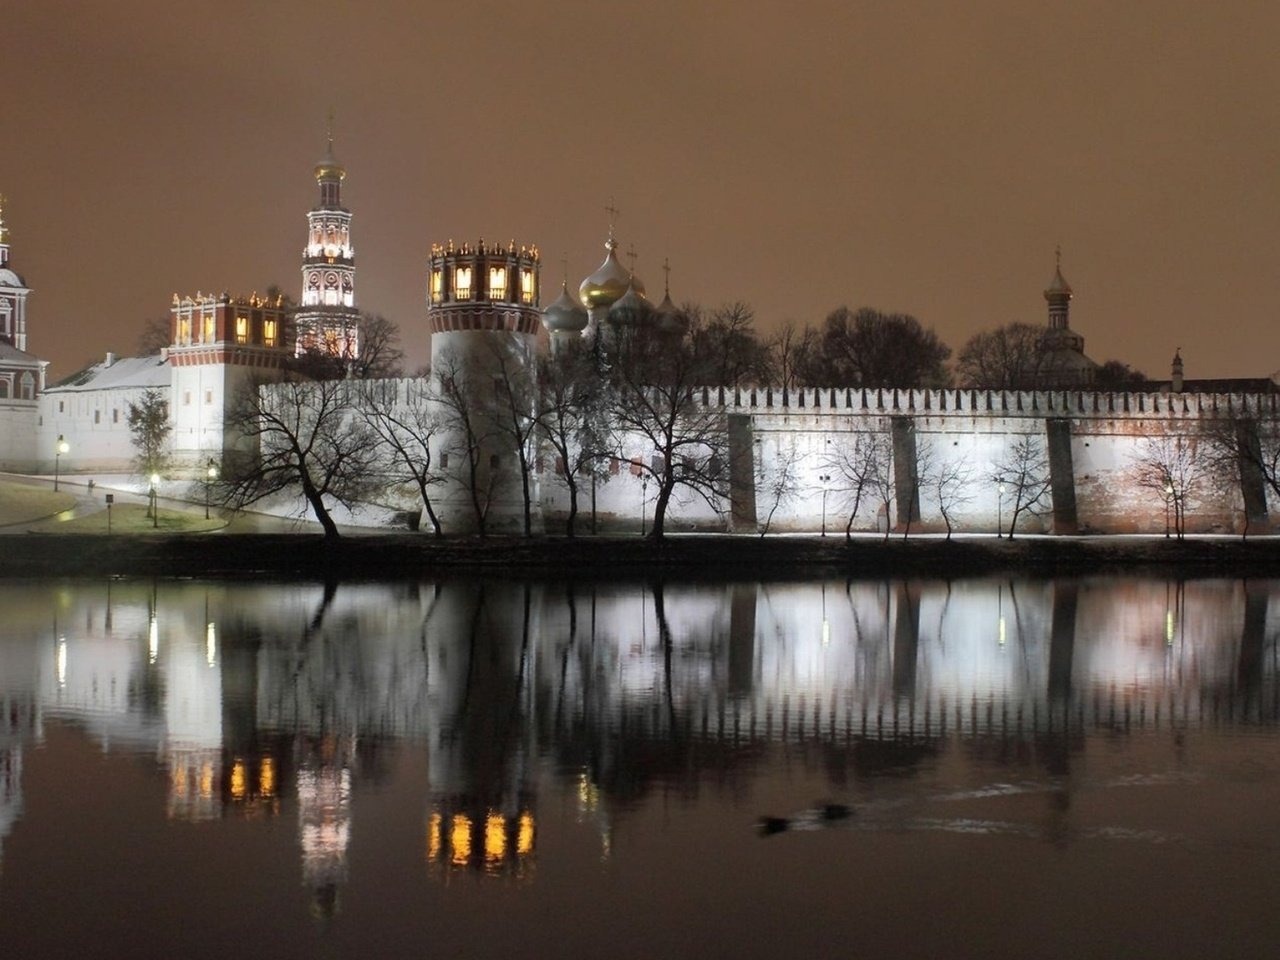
<point x="329" y="168"/>
<point x="565" y="314"/>
<point x="609" y="282"/>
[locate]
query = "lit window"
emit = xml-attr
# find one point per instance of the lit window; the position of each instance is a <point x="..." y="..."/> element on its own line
<point x="269" y="332"/>
<point x="462" y="283"/>
<point x="437" y="286"/>
<point x="208" y="328"/>
<point x="242" y="329"/>
<point x="184" y="330"/>
<point x="497" y="283"/>
<point x="526" y="286"/>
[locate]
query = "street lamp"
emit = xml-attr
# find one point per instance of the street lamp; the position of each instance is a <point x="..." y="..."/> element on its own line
<point x="999" y="511"/>
<point x="155" y="512"/>
<point x="1168" y="495"/>
<point x="58" y="451"/>
<point x="211" y="474"/>
<point x="824" y="479"/>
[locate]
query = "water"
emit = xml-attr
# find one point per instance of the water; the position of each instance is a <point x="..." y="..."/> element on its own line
<point x="975" y="768"/>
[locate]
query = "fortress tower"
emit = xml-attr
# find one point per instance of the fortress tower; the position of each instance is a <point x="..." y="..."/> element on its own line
<point x="482" y="310"/>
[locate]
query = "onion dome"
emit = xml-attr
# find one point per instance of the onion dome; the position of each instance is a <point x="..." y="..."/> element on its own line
<point x="609" y="282"/>
<point x="565" y="315"/>
<point x="632" y="307"/>
<point x="1058" y="286"/>
<point x="670" y="318"/>
<point x="329" y="168"/>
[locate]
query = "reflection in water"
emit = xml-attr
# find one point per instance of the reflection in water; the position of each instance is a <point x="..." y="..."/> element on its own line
<point x="288" y="700"/>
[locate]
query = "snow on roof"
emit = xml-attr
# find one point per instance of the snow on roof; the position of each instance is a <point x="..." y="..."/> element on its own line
<point x="141" y="372"/>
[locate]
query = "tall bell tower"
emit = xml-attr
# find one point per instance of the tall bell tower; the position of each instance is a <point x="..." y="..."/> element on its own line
<point x="326" y="319"/>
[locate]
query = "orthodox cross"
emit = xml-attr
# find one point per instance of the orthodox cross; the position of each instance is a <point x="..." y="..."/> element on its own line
<point x="613" y="212"/>
<point x="666" y="276"/>
<point x="631" y="255"/>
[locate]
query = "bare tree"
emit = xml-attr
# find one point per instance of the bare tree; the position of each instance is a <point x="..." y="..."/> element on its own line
<point x="1007" y="358"/>
<point x="467" y="415"/>
<point x="868" y="348"/>
<point x="726" y="343"/>
<point x="1245" y="449"/>
<point x="947" y="480"/>
<point x="780" y="480"/>
<point x="573" y="419"/>
<point x="308" y="437"/>
<point x="656" y="397"/>
<point x="406" y="430"/>
<point x="155" y="336"/>
<point x="515" y="414"/>
<point x="861" y="466"/>
<point x="372" y="351"/>
<point x="1024" y="471"/>
<point x="793" y="352"/>
<point x="1171" y="467"/>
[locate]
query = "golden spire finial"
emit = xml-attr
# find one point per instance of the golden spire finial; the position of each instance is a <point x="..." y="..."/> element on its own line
<point x="329" y="127"/>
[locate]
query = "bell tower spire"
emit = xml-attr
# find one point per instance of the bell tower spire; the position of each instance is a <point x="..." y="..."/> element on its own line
<point x="326" y="317"/>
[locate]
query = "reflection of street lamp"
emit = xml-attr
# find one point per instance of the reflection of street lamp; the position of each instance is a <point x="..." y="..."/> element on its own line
<point x="155" y="512"/>
<point x="211" y="474"/>
<point x="999" y="510"/>
<point x="1168" y="495"/>
<point x="58" y="451"/>
<point x="824" y="479"/>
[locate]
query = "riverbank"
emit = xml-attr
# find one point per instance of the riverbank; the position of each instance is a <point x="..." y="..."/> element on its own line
<point x="677" y="557"/>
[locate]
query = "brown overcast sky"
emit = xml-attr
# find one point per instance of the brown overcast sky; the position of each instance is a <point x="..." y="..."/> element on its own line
<point x="921" y="157"/>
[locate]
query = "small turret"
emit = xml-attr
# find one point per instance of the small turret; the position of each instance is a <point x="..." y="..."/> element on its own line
<point x="1175" y="381"/>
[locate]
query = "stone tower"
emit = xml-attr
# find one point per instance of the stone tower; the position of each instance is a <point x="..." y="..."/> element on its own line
<point x="326" y="318"/>
<point x="482" y="310"/>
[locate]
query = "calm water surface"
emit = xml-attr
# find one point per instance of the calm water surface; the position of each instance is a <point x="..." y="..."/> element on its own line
<point x="973" y="768"/>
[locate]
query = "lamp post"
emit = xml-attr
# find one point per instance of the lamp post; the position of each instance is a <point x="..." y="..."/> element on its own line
<point x="1168" y="495"/>
<point x="58" y="451"/>
<point x="999" y="510"/>
<point x="644" y="500"/>
<point x="210" y="475"/>
<point x="824" y="479"/>
<point x="155" y="511"/>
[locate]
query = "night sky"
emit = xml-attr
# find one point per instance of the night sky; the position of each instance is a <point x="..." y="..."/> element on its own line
<point x="918" y="157"/>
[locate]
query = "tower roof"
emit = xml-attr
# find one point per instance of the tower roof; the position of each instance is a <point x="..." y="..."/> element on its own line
<point x="610" y="281"/>
<point x="565" y="313"/>
<point x="329" y="168"/>
<point x="1058" y="286"/>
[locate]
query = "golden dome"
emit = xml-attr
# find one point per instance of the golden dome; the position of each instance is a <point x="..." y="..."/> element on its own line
<point x="329" y="168"/>
<point x="609" y="282"/>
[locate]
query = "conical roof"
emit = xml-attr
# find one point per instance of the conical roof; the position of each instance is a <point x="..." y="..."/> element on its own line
<point x="609" y="282"/>
<point x="565" y="314"/>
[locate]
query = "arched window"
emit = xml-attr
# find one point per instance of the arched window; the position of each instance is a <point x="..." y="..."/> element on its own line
<point x="28" y="386"/>
<point x="4" y="387"/>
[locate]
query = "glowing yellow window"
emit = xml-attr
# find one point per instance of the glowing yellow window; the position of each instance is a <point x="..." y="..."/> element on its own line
<point x="269" y="332"/>
<point x="437" y="286"/>
<point x="462" y="283"/>
<point x="497" y="283"/>
<point x="242" y="329"/>
<point x="526" y="286"/>
<point x="208" y="329"/>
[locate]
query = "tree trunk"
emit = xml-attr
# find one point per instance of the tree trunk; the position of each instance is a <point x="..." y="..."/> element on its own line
<point x="573" y="502"/>
<point x="660" y="508"/>
<point x="426" y="503"/>
<point x="318" y="508"/>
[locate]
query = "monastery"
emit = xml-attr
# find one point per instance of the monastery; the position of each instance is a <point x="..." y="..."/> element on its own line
<point x="781" y="444"/>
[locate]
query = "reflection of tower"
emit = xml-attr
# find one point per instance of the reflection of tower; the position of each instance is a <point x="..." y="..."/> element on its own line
<point x="10" y="791"/>
<point x="482" y="309"/>
<point x="327" y="318"/>
<point x="481" y="814"/>
<point x="324" y="818"/>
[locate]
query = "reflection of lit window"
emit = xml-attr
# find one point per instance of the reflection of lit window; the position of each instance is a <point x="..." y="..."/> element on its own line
<point x="239" y="782"/>
<point x="524" y="836"/>
<point x="497" y="283"/>
<point x="462" y="283"/>
<point x="437" y="286"/>
<point x="495" y="837"/>
<point x="460" y="839"/>
<point x="206" y="781"/>
<point x="433" y="837"/>
<point x="62" y="662"/>
<point x="267" y="777"/>
<point x="211" y="644"/>
<point x="526" y="286"/>
<point x="153" y="641"/>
